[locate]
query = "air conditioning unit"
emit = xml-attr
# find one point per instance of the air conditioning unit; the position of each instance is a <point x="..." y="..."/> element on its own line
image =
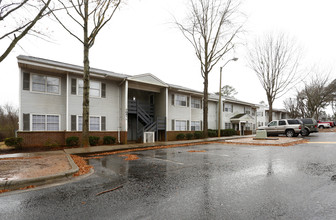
<point x="149" y="137"/>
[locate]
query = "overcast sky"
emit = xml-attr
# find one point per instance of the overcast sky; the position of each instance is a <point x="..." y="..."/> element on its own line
<point x="141" y="38"/>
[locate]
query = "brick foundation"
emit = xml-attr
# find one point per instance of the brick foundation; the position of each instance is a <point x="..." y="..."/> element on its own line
<point x="57" y="138"/>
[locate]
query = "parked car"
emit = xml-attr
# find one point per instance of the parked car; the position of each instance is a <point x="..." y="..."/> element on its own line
<point x="310" y="126"/>
<point x="331" y="123"/>
<point x="289" y="127"/>
<point x="323" y="125"/>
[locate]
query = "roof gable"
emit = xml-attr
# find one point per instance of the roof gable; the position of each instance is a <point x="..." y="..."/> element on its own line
<point x="148" y="78"/>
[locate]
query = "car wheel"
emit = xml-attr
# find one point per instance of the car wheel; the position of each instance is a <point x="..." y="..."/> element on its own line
<point x="305" y="132"/>
<point x="321" y="127"/>
<point x="290" y="133"/>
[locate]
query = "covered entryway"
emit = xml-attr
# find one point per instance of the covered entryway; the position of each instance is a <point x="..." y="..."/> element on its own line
<point x="243" y="123"/>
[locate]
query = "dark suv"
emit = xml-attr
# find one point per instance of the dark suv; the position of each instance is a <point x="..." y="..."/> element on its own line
<point x="310" y="126"/>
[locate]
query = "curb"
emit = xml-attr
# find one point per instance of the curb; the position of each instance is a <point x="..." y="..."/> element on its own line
<point x="42" y="180"/>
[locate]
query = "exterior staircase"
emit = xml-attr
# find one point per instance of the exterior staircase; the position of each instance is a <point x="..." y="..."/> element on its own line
<point x="145" y="115"/>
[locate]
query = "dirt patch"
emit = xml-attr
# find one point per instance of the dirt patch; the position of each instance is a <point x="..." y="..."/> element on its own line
<point x="32" y="167"/>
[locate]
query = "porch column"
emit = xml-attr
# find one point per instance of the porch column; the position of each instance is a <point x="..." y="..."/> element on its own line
<point x="240" y="132"/>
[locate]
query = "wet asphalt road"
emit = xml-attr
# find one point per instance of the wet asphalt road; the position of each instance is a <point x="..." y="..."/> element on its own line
<point x="225" y="182"/>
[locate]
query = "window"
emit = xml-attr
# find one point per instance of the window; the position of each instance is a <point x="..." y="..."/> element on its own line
<point x="247" y="110"/>
<point x="46" y="84"/>
<point x="195" y="103"/>
<point x="195" y="125"/>
<point x="282" y="123"/>
<point x="45" y="123"/>
<point x="260" y="114"/>
<point x="227" y="125"/>
<point x="180" y="125"/>
<point x="181" y="100"/>
<point x="94" y="88"/>
<point x="228" y="107"/>
<point x="273" y="123"/>
<point x="94" y="123"/>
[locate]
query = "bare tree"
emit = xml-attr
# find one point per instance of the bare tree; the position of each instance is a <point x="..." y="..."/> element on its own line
<point x="18" y="19"/>
<point x="9" y="118"/>
<point x="292" y="107"/>
<point x="317" y="95"/>
<point x="211" y="29"/>
<point x="90" y="17"/>
<point x="275" y="60"/>
<point x="228" y="91"/>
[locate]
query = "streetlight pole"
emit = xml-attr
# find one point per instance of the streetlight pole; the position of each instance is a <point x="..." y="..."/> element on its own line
<point x="220" y="95"/>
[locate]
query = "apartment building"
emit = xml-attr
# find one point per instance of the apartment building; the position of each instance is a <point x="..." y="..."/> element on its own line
<point x="121" y="105"/>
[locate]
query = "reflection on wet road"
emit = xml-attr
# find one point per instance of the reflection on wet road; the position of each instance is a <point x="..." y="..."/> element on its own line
<point x="224" y="182"/>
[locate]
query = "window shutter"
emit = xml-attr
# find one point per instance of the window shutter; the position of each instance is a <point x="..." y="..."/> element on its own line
<point x="173" y="99"/>
<point x="26" y="122"/>
<point x="173" y="125"/>
<point x="201" y="122"/>
<point x="26" y="81"/>
<point x="103" y="123"/>
<point x="231" y="107"/>
<point x="73" y="86"/>
<point x="73" y="123"/>
<point x="188" y="123"/>
<point x="103" y="91"/>
<point x="201" y="103"/>
<point x="188" y="100"/>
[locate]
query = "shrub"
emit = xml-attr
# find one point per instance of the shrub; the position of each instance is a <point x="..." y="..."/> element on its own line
<point x="180" y="136"/>
<point x="93" y="140"/>
<point x="14" y="141"/>
<point x="228" y="132"/>
<point x="189" y="136"/>
<point x="198" y="134"/>
<point x="72" y="141"/>
<point x="109" y="140"/>
<point x="212" y="133"/>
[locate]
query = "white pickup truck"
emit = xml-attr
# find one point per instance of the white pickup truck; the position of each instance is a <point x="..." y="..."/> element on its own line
<point x="322" y="125"/>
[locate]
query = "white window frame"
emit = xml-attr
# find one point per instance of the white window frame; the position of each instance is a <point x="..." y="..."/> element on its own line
<point x="177" y="102"/>
<point x="186" y="124"/>
<point x="194" y="105"/>
<point x="90" y="93"/>
<point x="192" y="124"/>
<point x="45" y="84"/>
<point x="227" y="109"/>
<point x="227" y="127"/>
<point x="45" y="122"/>
<point x="248" y="110"/>
<point x="91" y="116"/>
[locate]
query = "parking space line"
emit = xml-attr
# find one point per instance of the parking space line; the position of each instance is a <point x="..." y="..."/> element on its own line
<point x="322" y="142"/>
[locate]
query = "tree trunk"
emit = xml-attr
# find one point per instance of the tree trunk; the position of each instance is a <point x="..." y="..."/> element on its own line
<point x="86" y="78"/>
<point x="205" y="109"/>
<point x="270" y="109"/>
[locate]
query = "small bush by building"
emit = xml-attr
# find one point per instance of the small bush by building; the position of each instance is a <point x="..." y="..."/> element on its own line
<point x="180" y="136"/>
<point x="72" y="141"/>
<point x="189" y="136"/>
<point x="212" y="133"/>
<point x="14" y="142"/>
<point x="198" y="134"/>
<point x="228" y="132"/>
<point x="93" y="140"/>
<point x="109" y="140"/>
